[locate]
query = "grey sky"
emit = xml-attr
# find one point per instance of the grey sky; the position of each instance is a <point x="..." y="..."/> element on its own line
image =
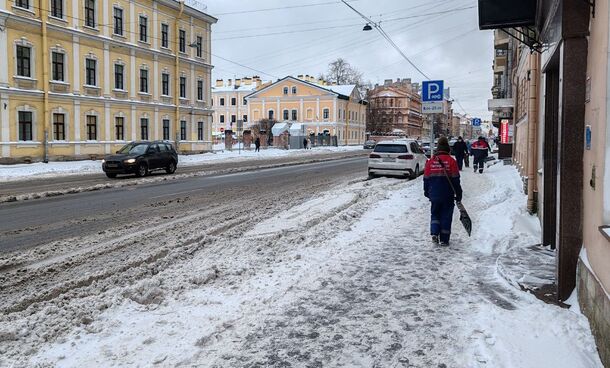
<point x="442" y="41"/>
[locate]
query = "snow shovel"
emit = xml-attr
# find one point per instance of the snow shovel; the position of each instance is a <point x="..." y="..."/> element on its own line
<point x="464" y="217"/>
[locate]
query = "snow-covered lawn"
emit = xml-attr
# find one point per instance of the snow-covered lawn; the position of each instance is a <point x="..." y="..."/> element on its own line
<point x="41" y="170"/>
<point x="348" y="279"/>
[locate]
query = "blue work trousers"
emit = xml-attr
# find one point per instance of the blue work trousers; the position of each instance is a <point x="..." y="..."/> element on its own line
<point x="441" y="216"/>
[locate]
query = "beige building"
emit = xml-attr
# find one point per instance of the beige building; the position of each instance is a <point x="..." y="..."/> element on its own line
<point x="80" y="78"/>
<point x="229" y="102"/>
<point x="395" y="106"/>
<point x="322" y="109"/>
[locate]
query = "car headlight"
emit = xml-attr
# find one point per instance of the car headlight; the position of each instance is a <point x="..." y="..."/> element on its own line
<point x="130" y="161"/>
<point x="103" y="161"/>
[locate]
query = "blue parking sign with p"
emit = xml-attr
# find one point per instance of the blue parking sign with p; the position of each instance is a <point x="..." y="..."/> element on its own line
<point x="432" y="91"/>
<point x="476" y="122"/>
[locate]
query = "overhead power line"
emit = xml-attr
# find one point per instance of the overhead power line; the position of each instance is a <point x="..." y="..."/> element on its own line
<point x="280" y="8"/>
<point x="388" y="38"/>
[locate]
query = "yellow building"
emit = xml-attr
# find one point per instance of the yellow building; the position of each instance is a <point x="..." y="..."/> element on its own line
<point x="80" y="78"/>
<point x="335" y="110"/>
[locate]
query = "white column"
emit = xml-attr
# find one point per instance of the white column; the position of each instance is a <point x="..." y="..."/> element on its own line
<point x="155" y="77"/>
<point x="4" y="120"/>
<point x="105" y="18"/>
<point x="301" y="116"/>
<point x="107" y="125"/>
<point x="155" y="124"/>
<point x="155" y="27"/>
<point x="264" y="114"/>
<point x="3" y="51"/>
<point x="106" y="70"/>
<point x="318" y="116"/>
<point x="193" y="96"/>
<point x="277" y="110"/>
<point x="132" y="74"/>
<point x="3" y="5"/>
<point x="76" y="64"/>
<point x="133" y="123"/>
<point x="77" y="127"/>
<point x="190" y="38"/>
<point x="132" y="21"/>
<point x="193" y="131"/>
<point x="76" y="16"/>
<point x="335" y="110"/>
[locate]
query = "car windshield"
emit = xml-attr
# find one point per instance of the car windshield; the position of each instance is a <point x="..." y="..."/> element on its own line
<point x="134" y="149"/>
<point x="391" y="148"/>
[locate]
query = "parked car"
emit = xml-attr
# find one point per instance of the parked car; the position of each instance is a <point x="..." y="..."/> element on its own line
<point x="369" y="144"/>
<point x="141" y="158"/>
<point x="426" y="149"/>
<point x="397" y="158"/>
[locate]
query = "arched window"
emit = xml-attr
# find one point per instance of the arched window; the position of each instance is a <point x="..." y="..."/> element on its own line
<point x="326" y="114"/>
<point x="294" y="115"/>
<point x="294" y="90"/>
<point x="285" y="90"/>
<point x="285" y="113"/>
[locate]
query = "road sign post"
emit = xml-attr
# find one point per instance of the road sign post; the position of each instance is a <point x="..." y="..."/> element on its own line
<point x="432" y="104"/>
<point x="240" y="128"/>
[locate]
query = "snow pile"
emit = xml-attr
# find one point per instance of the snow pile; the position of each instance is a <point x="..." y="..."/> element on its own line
<point x="53" y="169"/>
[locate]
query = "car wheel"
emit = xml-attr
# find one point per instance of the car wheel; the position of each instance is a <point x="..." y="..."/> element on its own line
<point x="111" y="176"/>
<point x="171" y="168"/>
<point x="415" y="173"/>
<point x="142" y="170"/>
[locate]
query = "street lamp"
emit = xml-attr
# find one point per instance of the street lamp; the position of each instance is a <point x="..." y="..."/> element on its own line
<point x="367" y="27"/>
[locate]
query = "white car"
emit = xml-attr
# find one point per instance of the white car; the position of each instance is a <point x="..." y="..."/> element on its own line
<point x="397" y="158"/>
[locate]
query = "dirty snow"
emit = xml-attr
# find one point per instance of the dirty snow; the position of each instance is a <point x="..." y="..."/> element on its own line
<point x="53" y="169"/>
<point x="345" y="279"/>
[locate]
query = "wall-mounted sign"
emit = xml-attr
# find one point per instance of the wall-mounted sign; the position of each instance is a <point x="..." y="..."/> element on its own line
<point x="504" y="125"/>
<point x="588" y="137"/>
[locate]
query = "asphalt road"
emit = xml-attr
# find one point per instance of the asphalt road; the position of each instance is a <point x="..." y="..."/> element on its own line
<point x="31" y="223"/>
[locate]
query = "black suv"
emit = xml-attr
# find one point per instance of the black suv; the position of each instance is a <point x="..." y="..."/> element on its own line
<point x="141" y="158"/>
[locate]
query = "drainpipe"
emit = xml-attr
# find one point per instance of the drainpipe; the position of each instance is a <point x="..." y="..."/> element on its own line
<point x="532" y="136"/>
<point x="177" y="74"/>
<point x="45" y="78"/>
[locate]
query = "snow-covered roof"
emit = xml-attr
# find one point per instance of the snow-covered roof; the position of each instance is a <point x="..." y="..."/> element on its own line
<point x="345" y="89"/>
<point x="242" y="88"/>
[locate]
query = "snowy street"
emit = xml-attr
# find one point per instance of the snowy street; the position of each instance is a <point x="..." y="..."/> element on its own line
<point x="334" y="273"/>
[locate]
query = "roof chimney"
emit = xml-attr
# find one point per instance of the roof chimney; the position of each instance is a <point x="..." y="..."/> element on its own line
<point x="229" y="82"/>
<point x="219" y="82"/>
<point x="247" y="81"/>
<point x="237" y="82"/>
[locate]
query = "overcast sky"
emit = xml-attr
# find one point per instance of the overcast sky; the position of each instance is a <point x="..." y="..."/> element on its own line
<point x="440" y="37"/>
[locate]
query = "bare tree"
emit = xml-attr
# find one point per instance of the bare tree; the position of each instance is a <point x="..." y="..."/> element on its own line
<point x="341" y="72"/>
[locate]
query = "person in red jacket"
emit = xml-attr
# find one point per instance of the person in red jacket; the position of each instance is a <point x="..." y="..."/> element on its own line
<point x="479" y="150"/>
<point x="442" y="187"/>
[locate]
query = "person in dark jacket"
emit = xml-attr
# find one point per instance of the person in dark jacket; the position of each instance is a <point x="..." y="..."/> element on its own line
<point x="305" y="141"/>
<point x="257" y="144"/>
<point x="479" y="151"/>
<point x="442" y="187"/>
<point x="460" y="150"/>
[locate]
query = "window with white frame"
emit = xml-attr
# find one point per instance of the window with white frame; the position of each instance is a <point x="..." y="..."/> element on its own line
<point x="164" y="35"/>
<point x="200" y="131"/>
<point x="57" y="8"/>
<point x="144" y="129"/>
<point x="90" y="13"/>
<point x="233" y="101"/>
<point x="285" y="90"/>
<point x="166" y="129"/>
<point x="119" y="128"/>
<point x="199" y="90"/>
<point x="118" y="21"/>
<point x="294" y="90"/>
<point x="182" y="87"/>
<point x="285" y="114"/>
<point x="199" y="46"/>
<point x="57" y="66"/>
<point x="25" y="125"/>
<point x="271" y="114"/>
<point x="165" y="84"/>
<point x="294" y="115"/>
<point x="143" y="28"/>
<point x="91" y="72"/>
<point x="24" y="61"/>
<point x="182" y="40"/>
<point x="326" y="113"/>
<point x="59" y="127"/>
<point x="119" y="77"/>
<point x="183" y="130"/>
<point x="91" y="127"/>
<point x="24" y="4"/>
<point x="144" y="80"/>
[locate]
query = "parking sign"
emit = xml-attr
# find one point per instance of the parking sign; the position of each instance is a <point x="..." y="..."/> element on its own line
<point x="476" y="122"/>
<point x="432" y="91"/>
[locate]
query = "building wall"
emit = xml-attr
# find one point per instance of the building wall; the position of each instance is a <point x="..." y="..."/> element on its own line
<point x="76" y="100"/>
<point x="395" y="106"/>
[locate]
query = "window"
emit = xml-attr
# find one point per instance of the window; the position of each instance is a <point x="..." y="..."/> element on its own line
<point x="182" y="40"/>
<point x="245" y="118"/>
<point x="233" y="119"/>
<point x="90" y="13"/>
<point x="200" y="131"/>
<point x="90" y="65"/>
<point x="91" y="127"/>
<point x="119" y="128"/>
<point x="144" y="80"/>
<point x="118" y="21"/>
<point x="57" y="60"/>
<point x="23" y="61"/>
<point x="245" y="102"/>
<point x="294" y="115"/>
<point x="143" y="29"/>
<point x="144" y="129"/>
<point x="166" y="129"/>
<point x="285" y="90"/>
<point x="164" y="35"/>
<point x="165" y="84"/>
<point x="182" y="87"/>
<point x="182" y="130"/>
<point x="25" y="4"/>
<point x="233" y="101"/>
<point x="118" y="77"/>
<point x="25" y="126"/>
<point x="222" y="118"/>
<point x="294" y="90"/>
<point x="57" y="8"/>
<point x="59" y="127"/>
<point x="326" y="113"/>
<point x="200" y="90"/>
<point x="199" y="44"/>
<point x="270" y="114"/>
<point x="285" y="114"/>
<point x="222" y="101"/>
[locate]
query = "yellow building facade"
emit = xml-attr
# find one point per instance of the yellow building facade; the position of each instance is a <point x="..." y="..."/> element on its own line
<point x="335" y="110"/>
<point x="80" y="78"/>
